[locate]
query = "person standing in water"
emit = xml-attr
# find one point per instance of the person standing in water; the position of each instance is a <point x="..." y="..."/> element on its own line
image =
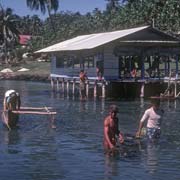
<point x="82" y="78"/>
<point x="153" y="116"/>
<point x="111" y="129"/>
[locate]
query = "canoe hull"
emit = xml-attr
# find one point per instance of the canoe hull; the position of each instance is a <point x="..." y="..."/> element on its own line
<point x="10" y="119"/>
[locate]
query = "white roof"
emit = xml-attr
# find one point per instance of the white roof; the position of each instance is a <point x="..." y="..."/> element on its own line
<point x="23" y="69"/>
<point x="89" y="41"/>
<point x="6" y="70"/>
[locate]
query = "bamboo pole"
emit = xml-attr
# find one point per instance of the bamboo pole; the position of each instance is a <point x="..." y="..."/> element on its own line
<point x="34" y="108"/>
<point x="34" y="112"/>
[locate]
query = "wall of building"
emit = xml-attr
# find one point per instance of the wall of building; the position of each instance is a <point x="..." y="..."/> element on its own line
<point x="111" y="64"/>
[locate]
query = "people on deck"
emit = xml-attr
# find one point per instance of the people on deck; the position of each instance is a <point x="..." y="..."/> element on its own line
<point x="111" y="130"/>
<point x="83" y="78"/>
<point x="153" y="116"/>
<point x="11" y="100"/>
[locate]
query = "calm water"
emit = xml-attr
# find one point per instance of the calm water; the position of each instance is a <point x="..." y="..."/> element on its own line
<point x="74" y="151"/>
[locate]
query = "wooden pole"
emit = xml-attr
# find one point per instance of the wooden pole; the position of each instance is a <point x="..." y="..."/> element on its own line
<point x="52" y="84"/>
<point x="175" y="88"/>
<point x="142" y="67"/>
<point x="57" y="84"/>
<point x="95" y="88"/>
<point x="73" y="86"/>
<point x="103" y="90"/>
<point x="33" y="112"/>
<point x="87" y="89"/>
<point x="34" y="108"/>
<point x="67" y="87"/>
<point x="63" y="85"/>
<point x="142" y="90"/>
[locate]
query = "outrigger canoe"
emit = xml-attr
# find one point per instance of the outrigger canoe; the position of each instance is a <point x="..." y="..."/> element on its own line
<point x="10" y="118"/>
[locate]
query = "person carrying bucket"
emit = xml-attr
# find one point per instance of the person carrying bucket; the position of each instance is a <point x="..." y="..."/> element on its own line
<point x="153" y="116"/>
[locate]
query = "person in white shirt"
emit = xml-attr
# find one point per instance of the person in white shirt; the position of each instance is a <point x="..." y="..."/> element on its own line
<point x="153" y="116"/>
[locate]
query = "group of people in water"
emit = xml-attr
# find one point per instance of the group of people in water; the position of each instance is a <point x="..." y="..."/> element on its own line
<point x="113" y="136"/>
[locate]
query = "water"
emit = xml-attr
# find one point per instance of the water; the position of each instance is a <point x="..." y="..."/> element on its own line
<point x="74" y="151"/>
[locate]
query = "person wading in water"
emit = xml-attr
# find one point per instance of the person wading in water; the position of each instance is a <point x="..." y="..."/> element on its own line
<point x="111" y="131"/>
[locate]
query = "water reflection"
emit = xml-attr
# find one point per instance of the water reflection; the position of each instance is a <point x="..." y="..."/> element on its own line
<point x="74" y="148"/>
<point x="111" y="166"/>
<point x="11" y="137"/>
<point x="152" y="157"/>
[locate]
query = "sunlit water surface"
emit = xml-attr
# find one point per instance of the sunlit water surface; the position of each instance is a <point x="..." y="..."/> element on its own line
<point x="74" y="151"/>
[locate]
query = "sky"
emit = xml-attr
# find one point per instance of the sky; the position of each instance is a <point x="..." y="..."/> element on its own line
<point x="83" y="6"/>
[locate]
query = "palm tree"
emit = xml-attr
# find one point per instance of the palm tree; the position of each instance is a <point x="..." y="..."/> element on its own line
<point x="112" y="5"/>
<point x="44" y="5"/>
<point x="8" y="31"/>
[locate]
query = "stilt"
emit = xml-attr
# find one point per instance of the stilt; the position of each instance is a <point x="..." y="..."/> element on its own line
<point x="142" y="90"/>
<point x="57" y="84"/>
<point x="67" y="87"/>
<point x="175" y="88"/>
<point x="63" y="85"/>
<point x="103" y="90"/>
<point x="87" y="89"/>
<point x="73" y="86"/>
<point x="95" y="89"/>
<point x="52" y="84"/>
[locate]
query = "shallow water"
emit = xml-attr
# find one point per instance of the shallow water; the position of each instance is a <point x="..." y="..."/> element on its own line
<point x="74" y="149"/>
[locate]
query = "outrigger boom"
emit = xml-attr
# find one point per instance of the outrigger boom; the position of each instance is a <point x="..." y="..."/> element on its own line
<point x="10" y="118"/>
<point x="34" y="112"/>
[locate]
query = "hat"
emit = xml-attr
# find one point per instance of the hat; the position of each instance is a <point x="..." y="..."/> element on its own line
<point x="113" y="108"/>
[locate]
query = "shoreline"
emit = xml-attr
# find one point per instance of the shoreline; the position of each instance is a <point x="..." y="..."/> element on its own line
<point x="25" y="77"/>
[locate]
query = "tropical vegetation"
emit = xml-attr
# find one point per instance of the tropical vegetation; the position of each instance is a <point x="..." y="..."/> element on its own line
<point x="119" y="14"/>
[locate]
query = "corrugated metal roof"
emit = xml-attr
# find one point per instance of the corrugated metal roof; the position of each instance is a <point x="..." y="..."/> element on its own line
<point x="89" y="41"/>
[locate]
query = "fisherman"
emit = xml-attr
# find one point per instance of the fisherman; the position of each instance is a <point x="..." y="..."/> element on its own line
<point x="153" y="115"/>
<point x="111" y="130"/>
<point x="12" y="100"/>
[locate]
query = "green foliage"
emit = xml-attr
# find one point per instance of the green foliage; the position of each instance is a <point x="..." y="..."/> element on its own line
<point x="119" y="14"/>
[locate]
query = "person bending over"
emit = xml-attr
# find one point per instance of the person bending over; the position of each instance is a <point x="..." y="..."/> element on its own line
<point x="153" y="116"/>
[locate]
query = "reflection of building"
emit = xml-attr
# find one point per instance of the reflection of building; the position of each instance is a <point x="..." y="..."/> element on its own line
<point x="145" y="49"/>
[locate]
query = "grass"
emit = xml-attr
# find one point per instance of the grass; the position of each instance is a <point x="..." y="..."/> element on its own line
<point x="35" y="68"/>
